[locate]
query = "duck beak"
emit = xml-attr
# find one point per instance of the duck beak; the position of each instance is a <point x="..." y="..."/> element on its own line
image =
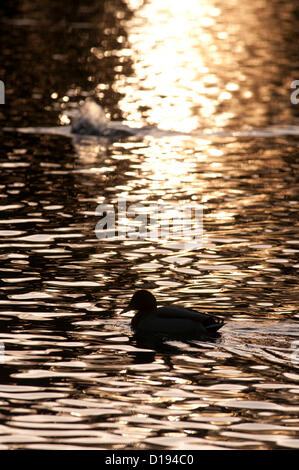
<point x="126" y="309"/>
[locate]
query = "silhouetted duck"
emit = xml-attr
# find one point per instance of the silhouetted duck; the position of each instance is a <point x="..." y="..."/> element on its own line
<point x="170" y="321"/>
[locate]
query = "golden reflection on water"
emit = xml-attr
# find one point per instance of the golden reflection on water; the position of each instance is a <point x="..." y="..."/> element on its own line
<point x="167" y="165"/>
<point x="64" y="334"/>
<point x="201" y="64"/>
<point x="164" y="37"/>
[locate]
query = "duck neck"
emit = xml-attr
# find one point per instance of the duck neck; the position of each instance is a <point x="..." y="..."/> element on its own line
<point x="136" y="319"/>
<point x="140" y="314"/>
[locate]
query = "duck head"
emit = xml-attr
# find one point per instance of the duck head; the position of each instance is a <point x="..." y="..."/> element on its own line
<point x="142" y="300"/>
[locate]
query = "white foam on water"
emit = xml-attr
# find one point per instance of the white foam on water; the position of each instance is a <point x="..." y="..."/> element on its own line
<point x="90" y="120"/>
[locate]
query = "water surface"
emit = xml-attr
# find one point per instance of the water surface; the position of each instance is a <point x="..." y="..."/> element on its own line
<point x="72" y="376"/>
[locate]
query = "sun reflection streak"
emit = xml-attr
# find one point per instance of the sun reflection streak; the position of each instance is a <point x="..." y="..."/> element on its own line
<point x="193" y="65"/>
<point x="169" y="64"/>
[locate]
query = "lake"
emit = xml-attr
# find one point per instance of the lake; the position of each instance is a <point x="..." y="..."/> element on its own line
<point x="216" y="78"/>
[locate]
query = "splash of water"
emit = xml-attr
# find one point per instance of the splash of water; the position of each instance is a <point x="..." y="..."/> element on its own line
<point x="90" y="120"/>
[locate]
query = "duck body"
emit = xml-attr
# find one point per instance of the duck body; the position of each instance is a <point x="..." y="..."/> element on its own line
<point x="171" y="321"/>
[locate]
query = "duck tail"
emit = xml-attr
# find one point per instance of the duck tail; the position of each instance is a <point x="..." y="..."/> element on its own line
<point x="215" y="326"/>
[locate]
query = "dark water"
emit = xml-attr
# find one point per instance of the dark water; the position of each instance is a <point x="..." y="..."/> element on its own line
<point x="72" y="376"/>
